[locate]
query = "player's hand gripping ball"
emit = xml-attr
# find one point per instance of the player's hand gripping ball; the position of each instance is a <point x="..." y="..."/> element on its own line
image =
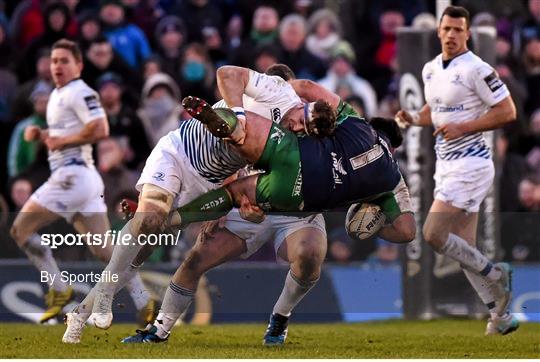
<point x="364" y="220"/>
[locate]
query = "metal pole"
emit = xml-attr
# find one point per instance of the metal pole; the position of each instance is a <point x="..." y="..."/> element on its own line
<point x="440" y="6"/>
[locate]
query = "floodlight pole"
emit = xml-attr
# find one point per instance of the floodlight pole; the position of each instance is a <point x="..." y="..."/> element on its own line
<point x="440" y="6"/>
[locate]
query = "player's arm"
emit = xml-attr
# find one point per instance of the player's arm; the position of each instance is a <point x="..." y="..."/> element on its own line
<point x="91" y="133"/>
<point x="311" y="92"/>
<point x="421" y="119"/>
<point x="499" y="115"/>
<point x="232" y="82"/>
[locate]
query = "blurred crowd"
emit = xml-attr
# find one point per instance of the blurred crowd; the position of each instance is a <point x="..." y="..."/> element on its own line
<point x="142" y="56"/>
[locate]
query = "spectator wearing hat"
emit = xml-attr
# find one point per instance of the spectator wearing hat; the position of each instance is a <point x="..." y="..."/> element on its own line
<point x="342" y="74"/>
<point x="123" y="121"/>
<point x="128" y="40"/>
<point x="170" y="37"/>
<point x="101" y="58"/>
<point x="293" y="51"/>
<point x="160" y="110"/>
<point x="22" y="154"/>
<point x="324" y="33"/>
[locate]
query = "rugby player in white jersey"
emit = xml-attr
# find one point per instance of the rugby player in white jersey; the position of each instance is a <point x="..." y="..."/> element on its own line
<point x="74" y="191"/>
<point x="189" y="162"/>
<point x="464" y="97"/>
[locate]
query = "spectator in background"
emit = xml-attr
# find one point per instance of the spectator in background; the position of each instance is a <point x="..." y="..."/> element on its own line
<point x="342" y="74"/>
<point x="293" y="52"/>
<point x="151" y="66"/>
<point x="264" y="31"/>
<point x="530" y="28"/>
<point x="20" y="191"/>
<point x="100" y="58"/>
<point x="197" y="74"/>
<point x="198" y="15"/>
<point x="357" y="103"/>
<point x="265" y="56"/>
<point x="324" y="33"/>
<point x="386" y="53"/>
<point x="233" y="33"/>
<point x="127" y="40"/>
<point x="56" y="20"/>
<point x="214" y="46"/>
<point x="160" y="109"/>
<point x="22" y="154"/>
<point x="531" y="62"/>
<point x="146" y="15"/>
<point x="8" y="80"/>
<point x="117" y="178"/>
<point x="170" y="35"/>
<point x="124" y="124"/>
<point x="89" y="29"/>
<point x="22" y="106"/>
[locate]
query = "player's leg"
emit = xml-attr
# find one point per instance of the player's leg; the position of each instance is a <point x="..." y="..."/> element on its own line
<point x="495" y="295"/>
<point x="150" y="218"/>
<point x="305" y="250"/>
<point x="209" y="251"/>
<point x="98" y="224"/>
<point x="30" y="219"/>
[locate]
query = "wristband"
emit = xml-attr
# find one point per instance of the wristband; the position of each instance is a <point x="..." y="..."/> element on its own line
<point x="239" y="112"/>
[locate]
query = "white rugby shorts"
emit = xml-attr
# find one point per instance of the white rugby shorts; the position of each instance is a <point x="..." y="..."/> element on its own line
<point x="274" y="228"/>
<point x="70" y="190"/>
<point x="168" y="167"/>
<point x="463" y="183"/>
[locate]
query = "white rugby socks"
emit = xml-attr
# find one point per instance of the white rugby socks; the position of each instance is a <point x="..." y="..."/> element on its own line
<point x="134" y="286"/>
<point x="293" y="292"/>
<point x="175" y="302"/>
<point x="459" y="250"/>
<point x="483" y="288"/>
<point x="42" y="258"/>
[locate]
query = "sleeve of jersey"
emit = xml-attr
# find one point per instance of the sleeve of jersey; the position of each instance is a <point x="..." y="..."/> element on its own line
<point x="344" y="111"/>
<point x="87" y="106"/>
<point x="487" y="84"/>
<point x="264" y="88"/>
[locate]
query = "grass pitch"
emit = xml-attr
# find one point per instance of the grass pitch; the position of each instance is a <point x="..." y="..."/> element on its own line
<point x="390" y="339"/>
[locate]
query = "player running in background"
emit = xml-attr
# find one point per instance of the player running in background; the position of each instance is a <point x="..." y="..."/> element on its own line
<point x="74" y="191"/>
<point x="464" y="97"/>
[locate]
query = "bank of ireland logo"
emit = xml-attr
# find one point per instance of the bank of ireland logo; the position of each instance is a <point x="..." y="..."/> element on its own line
<point x="277" y="135"/>
<point x="410" y="93"/>
<point x="159" y="176"/>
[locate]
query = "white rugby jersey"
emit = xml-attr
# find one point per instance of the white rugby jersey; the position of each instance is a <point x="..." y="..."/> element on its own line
<point x="268" y="96"/>
<point x="69" y="109"/>
<point x="462" y="91"/>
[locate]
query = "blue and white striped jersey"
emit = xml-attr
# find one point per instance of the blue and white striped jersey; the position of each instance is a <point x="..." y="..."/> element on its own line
<point x="460" y="91"/>
<point x="268" y="96"/>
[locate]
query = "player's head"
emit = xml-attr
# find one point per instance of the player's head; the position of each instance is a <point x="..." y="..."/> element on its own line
<point x="454" y="31"/>
<point x="389" y="128"/>
<point x="316" y="119"/>
<point x="66" y="62"/>
<point x="281" y="70"/>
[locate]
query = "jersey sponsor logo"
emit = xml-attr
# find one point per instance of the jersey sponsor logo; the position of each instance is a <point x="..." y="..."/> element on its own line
<point x="211" y="204"/>
<point x="337" y="169"/>
<point x="297" y="189"/>
<point x="367" y="157"/>
<point x="493" y="82"/>
<point x="159" y="176"/>
<point x="277" y="135"/>
<point x="276" y="115"/>
<point x="450" y="109"/>
<point x="92" y="102"/>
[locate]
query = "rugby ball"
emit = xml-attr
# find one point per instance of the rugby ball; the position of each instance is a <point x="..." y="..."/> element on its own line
<point x="364" y="220"/>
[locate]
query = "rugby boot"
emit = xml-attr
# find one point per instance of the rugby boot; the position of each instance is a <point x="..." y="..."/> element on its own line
<point x="276" y="332"/>
<point x="55" y="302"/>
